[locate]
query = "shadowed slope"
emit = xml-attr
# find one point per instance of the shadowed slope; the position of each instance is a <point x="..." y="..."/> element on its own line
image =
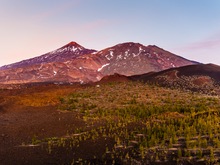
<point x="202" y="77"/>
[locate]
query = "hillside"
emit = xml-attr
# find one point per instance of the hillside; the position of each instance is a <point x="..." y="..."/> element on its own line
<point x="69" y="51"/>
<point x="134" y="58"/>
<point x="202" y="78"/>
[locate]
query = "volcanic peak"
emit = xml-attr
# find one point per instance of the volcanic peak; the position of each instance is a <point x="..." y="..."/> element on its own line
<point x="74" y="63"/>
<point x="127" y="45"/>
<point x="73" y="44"/>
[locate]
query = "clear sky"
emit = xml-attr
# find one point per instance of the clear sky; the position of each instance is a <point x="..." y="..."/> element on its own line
<point x="189" y="28"/>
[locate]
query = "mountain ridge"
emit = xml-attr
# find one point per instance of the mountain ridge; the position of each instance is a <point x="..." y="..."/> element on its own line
<point x="66" y="52"/>
<point x="137" y="52"/>
<point x="74" y="63"/>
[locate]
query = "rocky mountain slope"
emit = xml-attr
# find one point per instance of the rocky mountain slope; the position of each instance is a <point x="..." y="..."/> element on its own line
<point x="134" y="58"/>
<point x="74" y="63"/>
<point x="204" y="78"/>
<point x="67" y="52"/>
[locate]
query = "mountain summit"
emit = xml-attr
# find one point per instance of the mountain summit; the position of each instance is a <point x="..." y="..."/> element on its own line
<point x="74" y="63"/>
<point x="134" y="58"/>
<point x="67" y="52"/>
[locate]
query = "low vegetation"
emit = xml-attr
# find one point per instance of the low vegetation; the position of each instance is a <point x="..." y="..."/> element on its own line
<point x="137" y="123"/>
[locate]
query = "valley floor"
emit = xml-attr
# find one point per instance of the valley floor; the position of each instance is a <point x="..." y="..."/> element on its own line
<point x="108" y="123"/>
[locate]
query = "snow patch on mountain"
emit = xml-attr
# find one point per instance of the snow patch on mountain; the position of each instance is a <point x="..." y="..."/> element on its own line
<point x="103" y="67"/>
<point x="119" y="57"/>
<point x="126" y="53"/>
<point x="109" y="56"/>
<point x="173" y="65"/>
<point x="140" y="49"/>
<point x="81" y="81"/>
<point x="135" y="55"/>
<point x="66" y="49"/>
<point x="54" y="73"/>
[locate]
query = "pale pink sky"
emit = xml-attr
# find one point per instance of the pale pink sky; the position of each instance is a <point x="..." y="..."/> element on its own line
<point x="188" y="28"/>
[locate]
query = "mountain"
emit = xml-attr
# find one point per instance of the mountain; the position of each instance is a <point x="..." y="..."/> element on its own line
<point x="134" y="58"/>
<point x="201" y="77"/>
<point x="69" y="51"/>
<point x="74" y="63"/>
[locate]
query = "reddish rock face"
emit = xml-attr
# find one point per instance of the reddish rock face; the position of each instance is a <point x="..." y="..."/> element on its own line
<point x="74" y="63"/>
<point x="201" y="77"/>
<point x="70" y="51"/>
<point x="133" y="58"/>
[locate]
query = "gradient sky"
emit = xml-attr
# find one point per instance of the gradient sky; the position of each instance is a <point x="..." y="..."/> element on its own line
<point x="189" y="28"/>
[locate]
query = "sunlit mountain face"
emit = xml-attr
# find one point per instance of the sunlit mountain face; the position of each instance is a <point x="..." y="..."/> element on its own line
<point x="74" y="63"/>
